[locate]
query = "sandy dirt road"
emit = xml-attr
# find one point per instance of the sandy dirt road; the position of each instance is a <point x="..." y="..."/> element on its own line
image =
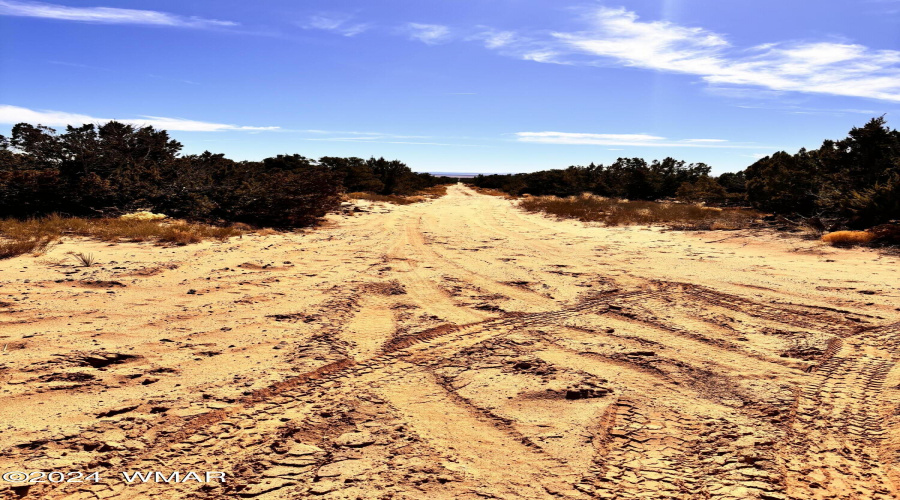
<point x="455" y="349"/>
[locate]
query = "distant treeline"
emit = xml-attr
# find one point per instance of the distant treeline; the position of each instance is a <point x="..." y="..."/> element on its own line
<point x="631" y="178"/>
<point x="856" y="179"/>
<point x="115" y="168"/>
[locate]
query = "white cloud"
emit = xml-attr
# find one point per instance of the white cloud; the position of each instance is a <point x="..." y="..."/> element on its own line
<point x="495" y="39"/>
<point x="336" y="24"/>
<point x="105" y="15"/>
<point x="431" y="34"/>
<point x="15" y="114"/>
<point x="642" y="140"/>
<point x="617" y="36"/>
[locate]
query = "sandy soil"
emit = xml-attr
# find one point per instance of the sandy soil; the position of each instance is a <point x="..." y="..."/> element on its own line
<point x="453" y="349"/>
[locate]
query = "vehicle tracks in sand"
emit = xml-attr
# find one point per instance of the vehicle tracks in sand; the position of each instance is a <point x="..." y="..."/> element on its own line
<point x="649" y="450"/>
<point x="666" y="389"/>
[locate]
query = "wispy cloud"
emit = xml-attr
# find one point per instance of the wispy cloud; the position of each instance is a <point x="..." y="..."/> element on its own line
<point x="106" y="15"/>
<point x="494" y="39"/>
<point x="643" y="140"/>
<point x="619" y="37"/>
<point x="431" y="34"/>
<point x="339" y="24"/>
<point x="704" y="141"/>
<point x="15" y="114"/>
<point x="803" y="110"/>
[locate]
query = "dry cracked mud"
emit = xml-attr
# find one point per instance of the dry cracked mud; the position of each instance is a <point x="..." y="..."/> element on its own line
<point x="458" y="348"/>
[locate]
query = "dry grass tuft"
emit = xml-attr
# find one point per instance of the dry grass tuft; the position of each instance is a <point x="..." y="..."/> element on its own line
<point x="143" y="215"/>
<point x="12" y="248"/>
<point x="386" y="198"/>
<point x="614" y="212"/>
<point x="423" y="195"/>
<point x="85" y="259"/>
<point x="848" y="238"/>
<point x="493" y="192"/>
<point x="18" y="237"/>
<point x="434" y="192"/>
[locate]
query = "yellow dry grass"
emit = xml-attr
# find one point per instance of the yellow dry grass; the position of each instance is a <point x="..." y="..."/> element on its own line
<point x="143" y="215"/>
<point x="848" y="238"/>
<point x="423" y="195"/>
<point x="495" y="192"/>
<point x="617" y="212"/>
<point x="18" y="237"/>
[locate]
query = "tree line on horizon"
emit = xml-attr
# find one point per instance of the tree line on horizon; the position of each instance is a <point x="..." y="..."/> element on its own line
<point x="855" y="180"/>
<point x="627" y="178"/>
<point x="115" y="168"/>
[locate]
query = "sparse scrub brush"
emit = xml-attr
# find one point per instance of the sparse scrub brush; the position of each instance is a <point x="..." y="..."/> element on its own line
<point x="616" y="212"/>
<point x="9" y="249"/>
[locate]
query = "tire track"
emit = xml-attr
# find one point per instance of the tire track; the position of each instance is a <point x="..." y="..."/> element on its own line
<point x="834" y="450"/>
<point x="667" y="423"/>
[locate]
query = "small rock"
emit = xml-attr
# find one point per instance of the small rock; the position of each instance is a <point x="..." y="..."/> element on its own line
<point x="300" y="449"/>
<point x="345" y="468"/>
<point x="296" y="461"/>
<point x="355" y="439"/>
<point x="323" y="487"/>
<point x="280" y="471"/>
<point x="265" y="487"/>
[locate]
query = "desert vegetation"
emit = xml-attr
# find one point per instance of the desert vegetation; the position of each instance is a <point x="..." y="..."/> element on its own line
<point x="396" y="199"/>
<point x="852" y="183"/>
<point x="618" y="212"/>
<point x="114" y="168"/>
<point x="36" y="234"/>
<point x="848" y="238"/>
<point x="855" y="180"/>
<point x="627" y="178"/>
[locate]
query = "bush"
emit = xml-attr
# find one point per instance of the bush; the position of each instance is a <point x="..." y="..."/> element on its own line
<point x="704" y="190"/>
<point x="27" y="193"/>
<point x="877" y="204"/>
<point x="888" y="234"/>
<point x="284" y="198"/>
<point x="856" y="179"/>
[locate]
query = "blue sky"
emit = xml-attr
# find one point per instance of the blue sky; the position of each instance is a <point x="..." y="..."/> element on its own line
<point x="460" y="85"/>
